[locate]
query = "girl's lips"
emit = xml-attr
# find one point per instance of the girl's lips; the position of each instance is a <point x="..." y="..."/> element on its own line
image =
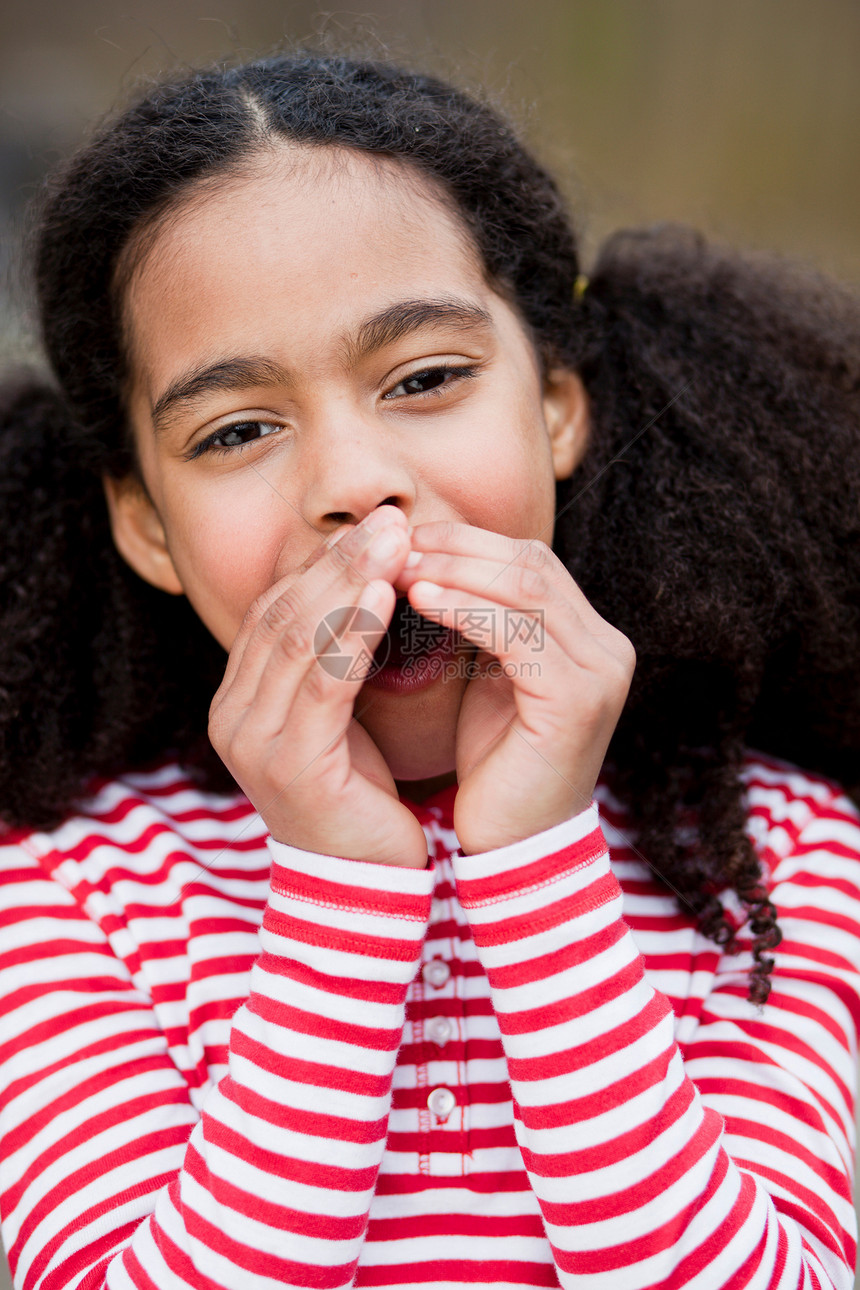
<point x="413" y="652"/>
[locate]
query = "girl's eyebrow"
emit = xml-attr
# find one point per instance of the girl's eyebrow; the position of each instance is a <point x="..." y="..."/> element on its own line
<point x="228" y="374"/>
<point x="383" y="328"/>
<point x="398" y="320"/>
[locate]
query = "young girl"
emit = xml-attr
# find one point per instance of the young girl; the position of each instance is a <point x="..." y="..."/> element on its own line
<point x="353" y="1000"/>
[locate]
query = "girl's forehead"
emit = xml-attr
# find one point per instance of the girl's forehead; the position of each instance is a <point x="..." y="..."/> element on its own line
<point x="313" y="197"/>
<point x="298" y="245"/>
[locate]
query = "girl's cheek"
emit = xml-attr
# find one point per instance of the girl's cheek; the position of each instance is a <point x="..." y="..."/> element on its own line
<point x="223" y="570"/>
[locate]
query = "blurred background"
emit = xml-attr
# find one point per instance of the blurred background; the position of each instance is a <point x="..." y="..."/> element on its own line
<point x="739" y="116"/>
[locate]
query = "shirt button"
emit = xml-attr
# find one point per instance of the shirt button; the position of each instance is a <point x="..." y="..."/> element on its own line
<point x="441" y="1102"/>
<point x="438" y="1030"/>
<point x="435" y="973"/>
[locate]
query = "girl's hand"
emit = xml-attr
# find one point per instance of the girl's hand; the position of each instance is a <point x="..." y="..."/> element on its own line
<point x="283" y="723"/>
<point x="535" y="725"/>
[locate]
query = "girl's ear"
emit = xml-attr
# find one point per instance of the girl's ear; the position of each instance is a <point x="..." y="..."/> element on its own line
<point x="138" y="533"/>
<point x="566" y="413"/>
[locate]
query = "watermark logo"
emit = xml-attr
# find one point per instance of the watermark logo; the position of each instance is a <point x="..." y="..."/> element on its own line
<point x="495" y="629"/>
<point x="345" y="643"/>
<point x="465" y="667"/>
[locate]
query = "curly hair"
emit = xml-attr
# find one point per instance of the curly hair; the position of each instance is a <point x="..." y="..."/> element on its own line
<point x="714" y="518"/>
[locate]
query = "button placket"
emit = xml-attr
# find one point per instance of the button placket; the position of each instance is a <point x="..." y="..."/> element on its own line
<point x="441" y="984"/>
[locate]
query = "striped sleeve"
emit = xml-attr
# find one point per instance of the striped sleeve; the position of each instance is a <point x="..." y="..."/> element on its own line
<point x="110" y="1178"/>
<point x="727" y="1164"/>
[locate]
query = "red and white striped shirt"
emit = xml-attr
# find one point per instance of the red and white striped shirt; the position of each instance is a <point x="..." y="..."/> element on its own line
<point x="229" y="1063"/>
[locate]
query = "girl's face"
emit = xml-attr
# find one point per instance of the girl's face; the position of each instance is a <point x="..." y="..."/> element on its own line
<point x="308" y="341"/>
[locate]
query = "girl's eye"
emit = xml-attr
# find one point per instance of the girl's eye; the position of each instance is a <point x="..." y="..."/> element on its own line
<point x="430" y="381"/>
<point x="233" y="436"/>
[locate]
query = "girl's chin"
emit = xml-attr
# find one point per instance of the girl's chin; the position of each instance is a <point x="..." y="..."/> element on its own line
<point x="407" y="768"/>
<point x="414" y="750"/>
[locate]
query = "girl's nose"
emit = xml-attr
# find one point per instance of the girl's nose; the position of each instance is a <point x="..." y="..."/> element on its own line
<point x="351" y="473"/>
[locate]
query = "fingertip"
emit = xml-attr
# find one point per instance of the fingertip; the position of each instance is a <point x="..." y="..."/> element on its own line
<point x="391" y="513"/>
<point x="373" y="594"/>
<point x="340" y="532"/>
<point x="424" y="591"/>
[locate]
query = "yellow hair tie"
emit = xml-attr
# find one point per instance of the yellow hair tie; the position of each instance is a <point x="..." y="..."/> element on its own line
<point x="580" y="286"/>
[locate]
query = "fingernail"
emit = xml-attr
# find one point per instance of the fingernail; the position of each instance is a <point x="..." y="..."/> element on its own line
<point x="413" y="558"/>
<point x="383" y="545"/>
<point x="427" y="591"/>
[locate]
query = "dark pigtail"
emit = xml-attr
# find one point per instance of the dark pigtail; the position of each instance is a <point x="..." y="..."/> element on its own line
<point x="81" y="666"/>
<point x="717" y="523"/>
